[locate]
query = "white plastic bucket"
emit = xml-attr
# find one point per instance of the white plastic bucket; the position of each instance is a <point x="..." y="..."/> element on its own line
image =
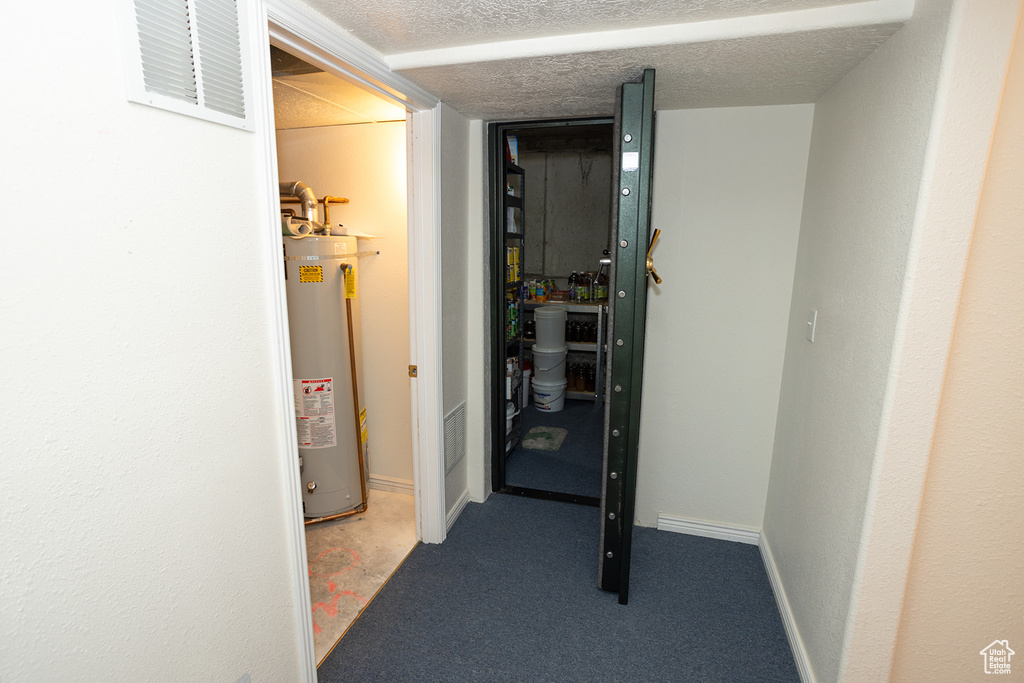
<point x="510" y="412"/>
<point x="549" y="396"/>
<point x="549" y="366"/>
<point x="526" y="383"/>
<point x="550" y="328"/>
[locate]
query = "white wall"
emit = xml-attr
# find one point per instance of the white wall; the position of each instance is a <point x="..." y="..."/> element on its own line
<point x="144" y="523"/>
<point x="867" y="154"/>
<point x="967" y="551"/>
<point x="973" y="71"/>
<point x="366" y="163"/>
<point x="728" y="192"/>
<point x="454" y="271"/>
<point x="478" y="244"/>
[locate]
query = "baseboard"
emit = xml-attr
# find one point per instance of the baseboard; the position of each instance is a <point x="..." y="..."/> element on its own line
<point x="796" y="643"/>
<point x="456" y="510"/>
<point x="725" y="532"/>
<point x="391" y="484"/>
<point x="694" y="527"/>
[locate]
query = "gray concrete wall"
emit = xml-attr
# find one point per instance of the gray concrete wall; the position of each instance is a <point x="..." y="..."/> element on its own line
<point x="567" y="211"/>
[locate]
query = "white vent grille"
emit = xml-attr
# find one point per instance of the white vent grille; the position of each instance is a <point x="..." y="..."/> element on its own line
<point x="454" y="437"/>
<point x="187" y="56"/>
<point x="165" y="42"/>
<point x="220" y="56"/>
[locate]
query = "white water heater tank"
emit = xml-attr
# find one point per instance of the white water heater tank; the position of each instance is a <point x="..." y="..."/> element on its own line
<point x="330" y="420"/>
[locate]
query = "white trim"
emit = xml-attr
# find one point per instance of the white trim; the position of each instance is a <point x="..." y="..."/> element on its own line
<point x="796" y="643"/>
<point x="875" y="12"/>
<point x="381" y="483"/>
<point x="456" y="510"/>
<point x="322" y="41"/>
<point x="697" y="527"/>
<point x="262" y="108"/>
<point x="424" y="314"/>
<point x="748" y="535"/>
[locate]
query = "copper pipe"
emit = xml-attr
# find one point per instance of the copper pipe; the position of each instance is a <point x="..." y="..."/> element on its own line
<point x="327" y="201"/>
<point x="349" y="270"/>
<point x="358" y="510"/>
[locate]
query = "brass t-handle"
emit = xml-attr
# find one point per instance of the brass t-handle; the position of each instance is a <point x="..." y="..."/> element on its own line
<point x="650" y="260"/>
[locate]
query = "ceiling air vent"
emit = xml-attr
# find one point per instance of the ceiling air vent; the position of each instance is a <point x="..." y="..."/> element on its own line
<point x="186" y="56"/>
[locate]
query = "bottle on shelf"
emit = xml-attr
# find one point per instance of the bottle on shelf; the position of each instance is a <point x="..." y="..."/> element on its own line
<point x="572" y="377"/>
<point x="601" y="286"/>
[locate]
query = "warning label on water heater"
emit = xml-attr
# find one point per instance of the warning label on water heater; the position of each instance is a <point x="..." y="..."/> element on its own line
<point x="314" y="413"/>
<point x="311" y="273"/>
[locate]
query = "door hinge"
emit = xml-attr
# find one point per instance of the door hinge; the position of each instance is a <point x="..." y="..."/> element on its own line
<point x="412" y="371"/>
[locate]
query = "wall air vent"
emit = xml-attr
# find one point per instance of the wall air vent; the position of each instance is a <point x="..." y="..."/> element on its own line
<point x="186" y="56"/>
<point x="454" y="437"/>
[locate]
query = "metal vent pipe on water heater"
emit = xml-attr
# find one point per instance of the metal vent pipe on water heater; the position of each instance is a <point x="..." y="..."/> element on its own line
<point x="302" y="192"/>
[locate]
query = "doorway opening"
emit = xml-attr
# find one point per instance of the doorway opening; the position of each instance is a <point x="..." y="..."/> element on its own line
<point x="347" y="146"/>
<point x="551" y="207"/>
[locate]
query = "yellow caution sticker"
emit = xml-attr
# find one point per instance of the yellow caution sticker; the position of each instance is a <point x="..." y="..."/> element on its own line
<point x="350" y="282"/>
<point x="311" y="273"/>
<point x="362" y="425"/>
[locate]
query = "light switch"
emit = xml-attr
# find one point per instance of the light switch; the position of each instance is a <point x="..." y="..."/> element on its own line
<point x="812" y="323"/>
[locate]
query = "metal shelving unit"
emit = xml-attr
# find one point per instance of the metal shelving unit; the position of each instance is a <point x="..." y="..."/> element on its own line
<point x="512" y="216"/>
<point x="600" y="310"/>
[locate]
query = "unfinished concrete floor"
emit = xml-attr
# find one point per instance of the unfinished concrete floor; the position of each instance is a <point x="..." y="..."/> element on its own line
<point x="351" y="558"/>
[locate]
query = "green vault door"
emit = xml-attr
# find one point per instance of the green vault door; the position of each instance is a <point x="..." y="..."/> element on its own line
<point x="628" y="303"/>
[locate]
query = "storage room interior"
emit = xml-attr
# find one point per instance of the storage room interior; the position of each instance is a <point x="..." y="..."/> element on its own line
<point x="558" y="284"/>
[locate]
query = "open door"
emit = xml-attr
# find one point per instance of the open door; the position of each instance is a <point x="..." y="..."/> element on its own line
<point x="627" y="317"/>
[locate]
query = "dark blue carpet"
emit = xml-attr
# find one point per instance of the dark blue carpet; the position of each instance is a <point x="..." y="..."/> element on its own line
<point x="576" y="466"/>
<point x="512" y="596"/>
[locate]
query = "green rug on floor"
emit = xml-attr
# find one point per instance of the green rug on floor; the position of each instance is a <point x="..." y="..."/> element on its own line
<point x="545" y="438"/>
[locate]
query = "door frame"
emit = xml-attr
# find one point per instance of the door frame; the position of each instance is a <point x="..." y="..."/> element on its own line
<point x="288" y="26"/>
<point x="495" y="162"/>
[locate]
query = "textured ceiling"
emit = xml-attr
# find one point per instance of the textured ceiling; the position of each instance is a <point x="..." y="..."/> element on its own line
<point x="759" y="70"/>
<point x="320" y="99"/>
<point x="396" y="26"/>
<point x="532" y="59"/>
<point x="306" y="96"/>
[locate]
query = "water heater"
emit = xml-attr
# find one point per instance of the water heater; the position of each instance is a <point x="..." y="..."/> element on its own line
<point x="321" y="276"/>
